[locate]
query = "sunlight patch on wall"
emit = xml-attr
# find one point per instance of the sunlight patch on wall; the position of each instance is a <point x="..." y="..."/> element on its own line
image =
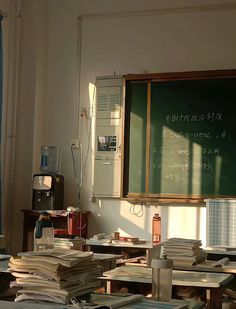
<point x="182" y="222"/>
<point x="175" y="162"/>
<point x="137" y="126"/>
<point x="196" y="169"/>
<point x="91" y="112"/>
<point x="217" y="173"/>
<point x="123" y="233"/>
<point x="129" y="212"/>
<point x="99" y="203"/>
<point x="88" y="124"/>
<point x="202" y="225"/>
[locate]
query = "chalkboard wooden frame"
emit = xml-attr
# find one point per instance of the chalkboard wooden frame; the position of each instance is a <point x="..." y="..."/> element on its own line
<point x="149" y="78"/>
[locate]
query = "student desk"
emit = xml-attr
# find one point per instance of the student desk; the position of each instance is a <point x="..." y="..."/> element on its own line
<point x="112" y="300"/>
<point x="108" y="260"/>
<point x="104" y="245"/>
<point x="214" y="254"/>
<point x="157" y="305"/>
<point x="230" y="268"/>
<point x="212" y="282"/>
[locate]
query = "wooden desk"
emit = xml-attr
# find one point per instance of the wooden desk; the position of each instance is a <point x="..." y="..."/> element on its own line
<point x="59" y="218"/>
<point x="108" y="260"/>
<point x="104" y="245"/>
<point x="104" y="299"/>
<point x="215" y="255"/>
<point x="137" y="302"/>
<point x="175" y="304"/>
<point x="212" y="282"/>
<point x="230" y="268"/>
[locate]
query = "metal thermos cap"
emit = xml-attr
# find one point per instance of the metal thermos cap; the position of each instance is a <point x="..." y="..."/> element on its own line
<point x="161" y="263"/>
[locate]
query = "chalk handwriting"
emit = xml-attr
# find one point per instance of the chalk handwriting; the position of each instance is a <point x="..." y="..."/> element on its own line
<point x="185" y="166"/>
<point x="179" y="117"/>
<point x="187" y="135"/>
<point x="188" y="152"/>
<point x="222" y="135"/>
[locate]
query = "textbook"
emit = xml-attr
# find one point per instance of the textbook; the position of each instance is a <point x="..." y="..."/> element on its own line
<point x="56" y="256"/>
<point x="54" y="275"/>
<point x="184" y="252"/>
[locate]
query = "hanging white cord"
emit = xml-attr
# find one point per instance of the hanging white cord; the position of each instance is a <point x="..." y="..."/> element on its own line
<point x="79" y="182"/>
<point x="73" y="148"/>
<point x="89" y="140"/>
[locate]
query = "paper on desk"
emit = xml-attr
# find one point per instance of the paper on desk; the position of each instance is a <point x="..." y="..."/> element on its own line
<point x="4" y="257"/>
<point x="113" y="302"/>
<point x="209" y="264"/>
<point x="148" y="304"/>
<point x="221" y="262"/>
<point x="135" y="302"/>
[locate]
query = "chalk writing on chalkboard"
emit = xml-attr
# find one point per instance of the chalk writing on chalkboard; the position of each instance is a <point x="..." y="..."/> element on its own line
<point x="211" y="116"/>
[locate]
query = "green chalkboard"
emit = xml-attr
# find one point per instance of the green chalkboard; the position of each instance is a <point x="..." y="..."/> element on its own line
<point x="192" y="137"/>
<point x="137" y="94"/>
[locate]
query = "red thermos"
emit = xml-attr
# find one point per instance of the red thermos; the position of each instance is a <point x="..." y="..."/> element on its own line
<point x="156" y="229"/>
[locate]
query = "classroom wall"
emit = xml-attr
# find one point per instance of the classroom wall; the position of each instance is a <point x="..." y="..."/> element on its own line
<point x="4" y="7"/>
<point x="10" y="37"/>
<point x="121" y="36"/>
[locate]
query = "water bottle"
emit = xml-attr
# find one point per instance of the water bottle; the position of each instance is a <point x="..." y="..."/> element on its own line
<point x="156" y="229"/>
<point x="43" y="233"/>
<point x="49" y="159"/>
<point x="162" y="279"/>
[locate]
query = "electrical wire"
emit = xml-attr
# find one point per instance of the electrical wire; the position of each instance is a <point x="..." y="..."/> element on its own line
<point x="83" y="170"/>
<point x="136" y="209"/>
<point x="79" y="182"/>
<point x="72" y="148"/>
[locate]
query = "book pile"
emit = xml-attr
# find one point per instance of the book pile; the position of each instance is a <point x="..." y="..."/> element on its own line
<point x="128" y="241"/>
<point x="69" y="243"/>
<point x="184" y="252"/>
<point x="54" y="275"/>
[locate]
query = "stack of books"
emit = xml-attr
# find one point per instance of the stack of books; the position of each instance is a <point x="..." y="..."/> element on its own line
<point x="184" y="252"/>
<point x="69" y="243"/>
<point x="54" y="275"/>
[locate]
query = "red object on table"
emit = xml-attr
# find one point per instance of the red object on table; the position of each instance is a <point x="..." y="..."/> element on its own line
<point x="63" y="223"/>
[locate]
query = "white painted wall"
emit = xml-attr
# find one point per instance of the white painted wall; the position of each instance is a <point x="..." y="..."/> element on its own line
<point x="10" y="32"/>
<point x="170" y="39"/>
<point x="29" y="126"/>
<point x="5" y="8"/>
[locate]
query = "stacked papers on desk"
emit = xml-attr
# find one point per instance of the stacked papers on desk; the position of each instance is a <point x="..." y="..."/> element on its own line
<point x="55" y="275"/>
<point x="67" y="243"/>
<point x="184" y="251"/>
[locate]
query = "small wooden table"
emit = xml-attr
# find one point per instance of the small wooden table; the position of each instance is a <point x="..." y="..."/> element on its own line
<point x="59" y="218"/>
<point x="213" y="282"/>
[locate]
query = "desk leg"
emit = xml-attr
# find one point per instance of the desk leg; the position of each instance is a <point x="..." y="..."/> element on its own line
<point x="214" y="298"/>
<point x="112" y="286"/>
